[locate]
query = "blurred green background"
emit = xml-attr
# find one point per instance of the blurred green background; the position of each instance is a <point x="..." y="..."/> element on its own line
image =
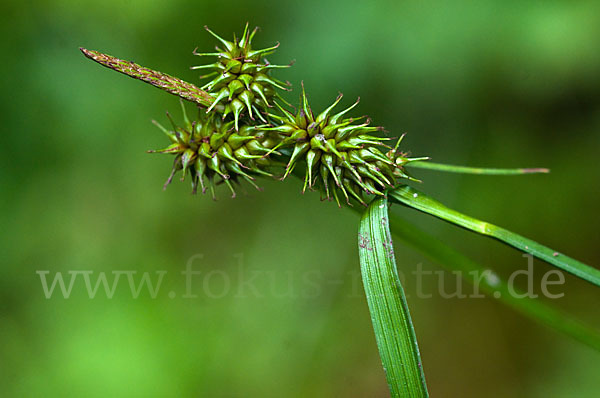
<point x="279" y="308"/>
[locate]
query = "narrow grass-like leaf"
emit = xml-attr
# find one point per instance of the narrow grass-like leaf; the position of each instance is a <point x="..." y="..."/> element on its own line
<point x="411" y="197"/>
<point x="456" y="261"/>
<point x="490" y="283"/>
<point x="473" y="170"/>
<point x="393" y="327"/>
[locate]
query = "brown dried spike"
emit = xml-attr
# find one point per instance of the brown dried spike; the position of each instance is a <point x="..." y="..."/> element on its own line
<point x="170" y="84"/>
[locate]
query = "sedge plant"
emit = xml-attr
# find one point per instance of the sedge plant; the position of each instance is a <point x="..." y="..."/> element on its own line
<point x="244" y="130"/>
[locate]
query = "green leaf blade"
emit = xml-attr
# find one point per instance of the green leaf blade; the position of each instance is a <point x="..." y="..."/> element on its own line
<point x="475" y="170"/>
<point x="390" y="316"/>
<point x="411" y="197"/>
<point x="471" y="271"/>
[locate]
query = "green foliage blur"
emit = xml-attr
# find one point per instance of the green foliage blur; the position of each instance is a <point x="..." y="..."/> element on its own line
<point x="277" y="307"/>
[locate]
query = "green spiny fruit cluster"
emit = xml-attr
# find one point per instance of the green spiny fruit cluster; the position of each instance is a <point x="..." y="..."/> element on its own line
<point x="227" y="144"/>
<point x="241" y="82"/>
<point x="338" y="154"/>
<point x="210" y="148"/>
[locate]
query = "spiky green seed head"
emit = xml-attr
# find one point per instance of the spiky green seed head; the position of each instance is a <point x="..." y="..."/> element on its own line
<point x="227" y="144"/>
<point x="212" y="150"/>
<point x="241" y="81"/>
<point x="341" y="154"/>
